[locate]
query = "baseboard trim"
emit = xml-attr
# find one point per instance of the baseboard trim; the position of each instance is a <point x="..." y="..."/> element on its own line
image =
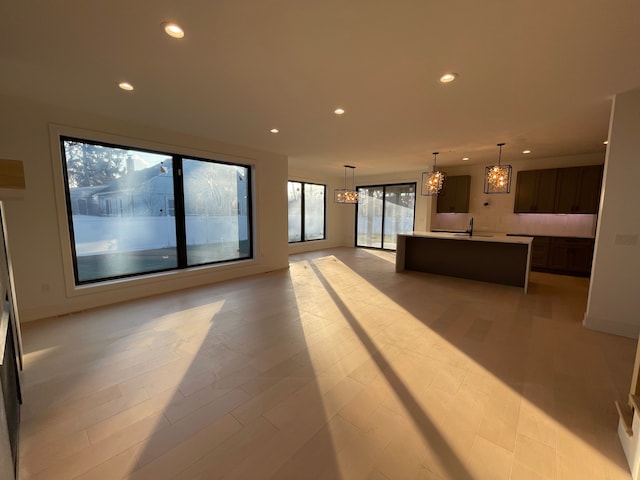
<point x="614" y="327"/>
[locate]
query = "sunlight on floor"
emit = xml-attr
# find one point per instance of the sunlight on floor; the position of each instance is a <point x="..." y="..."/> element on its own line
<point x="41" y="353"/>
<point x="169" y="395"/>
<point x="463" y="440"/>
<point x="322" y="372"/>
<point x="382" y="255"/>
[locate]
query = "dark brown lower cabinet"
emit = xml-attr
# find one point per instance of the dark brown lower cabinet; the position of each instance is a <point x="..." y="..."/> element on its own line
<point x="540" y="252"/>
<point x="565" y="255"/>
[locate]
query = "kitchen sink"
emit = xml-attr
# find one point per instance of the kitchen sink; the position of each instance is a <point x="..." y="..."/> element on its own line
<point x="474" y="235"/>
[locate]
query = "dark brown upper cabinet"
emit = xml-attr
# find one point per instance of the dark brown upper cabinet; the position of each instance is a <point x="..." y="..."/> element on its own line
<point x="578" y="189"/>
<point x="454" y="196"/>
<point x="559" y="190"/>
<point x="535" y="191"/>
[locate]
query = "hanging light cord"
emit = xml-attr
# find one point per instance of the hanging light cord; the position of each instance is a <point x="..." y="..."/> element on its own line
<point x="353" y="176"/>
<point x="435" y="157"/>
<point x="500" y="152"/>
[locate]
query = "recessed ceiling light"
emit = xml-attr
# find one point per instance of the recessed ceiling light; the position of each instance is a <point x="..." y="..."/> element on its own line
<point x="173" y="30"/>
<point x="339" y="111"/>
<point x="606" y="142"/>
<point x="274" y="130"/>
<point x="448" y="77"/>
<point x="464" y="159"/>
<point x="125" y="86"/>
<point x="526" y="151"/>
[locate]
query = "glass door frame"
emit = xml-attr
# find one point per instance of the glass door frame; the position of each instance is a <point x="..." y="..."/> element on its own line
<point x="384" y="191"/>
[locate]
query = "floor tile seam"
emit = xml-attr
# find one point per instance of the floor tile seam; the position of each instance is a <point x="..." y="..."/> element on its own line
<point x="371" y="433"/>
<point x="513" y="448"/>
<point x="183" y="438"/>
<point x="134" y="448"/>
<point x="228" y="410"/>
<point x="81" y="369"/>
<point x="364" y="383"/>
<point x="555" y="455"/>
<point x="264" y="342"/>
<point x="266" y="419"/>
<point x="501" y="447"/>
<point x="265" y="411"/>
<point x="319" y="370"/>
<point x="50" y="413"/>
<point x="37" y="430"/>
<point x="217" y="378"/>
<point x="150" y="371"/>
<point x="204" y="405"/>
<point x="178" y="475"/>
<point x="294" y="396"/>
<point x="85" y="426"/>
<point x="433" y="471"/>
<point x="138" y="419"/>
<point x="49" y="463"/>
<point x="255" y="358"/>
<point x="57" y="462"/>
<point x="55" y="383"/>
<point x="148" y="414"/>
<point x="139" y="379"/>
<point x="547" y="419"/>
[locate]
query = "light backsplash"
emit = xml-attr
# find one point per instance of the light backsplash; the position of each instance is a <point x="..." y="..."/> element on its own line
<point x="531" y="224"/>
<point x="494" y="213"/>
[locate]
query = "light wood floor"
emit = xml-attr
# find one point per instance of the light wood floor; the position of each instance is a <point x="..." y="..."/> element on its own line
<point x="336" y="369"/>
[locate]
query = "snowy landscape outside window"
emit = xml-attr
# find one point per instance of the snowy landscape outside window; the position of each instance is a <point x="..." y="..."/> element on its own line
<point x="125" y="216"/>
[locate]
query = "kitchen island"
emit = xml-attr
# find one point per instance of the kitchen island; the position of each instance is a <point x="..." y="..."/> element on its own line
<point x="488" y="258"/>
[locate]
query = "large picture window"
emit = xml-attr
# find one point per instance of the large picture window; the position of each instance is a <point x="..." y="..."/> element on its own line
<point x="133" y="211"/>
<point x="383" y="211"/>
<point x="306" y="211"/>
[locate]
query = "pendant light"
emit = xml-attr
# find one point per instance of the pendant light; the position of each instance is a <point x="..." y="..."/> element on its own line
<point x="497" y="178"/>
<point x="347" y="195"/>
<point x="432" y="181"/>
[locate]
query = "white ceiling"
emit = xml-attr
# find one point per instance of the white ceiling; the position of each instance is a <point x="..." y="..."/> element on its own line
<point x="536" y="74"/>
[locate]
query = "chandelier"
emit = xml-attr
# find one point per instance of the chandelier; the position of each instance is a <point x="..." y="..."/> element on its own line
<point x="497" y="178"/>
<point x="347" y="195"/>
<point x="432" y="181"/>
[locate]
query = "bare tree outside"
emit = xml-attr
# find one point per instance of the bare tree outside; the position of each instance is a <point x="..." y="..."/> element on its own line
<point x="92" y="165"/>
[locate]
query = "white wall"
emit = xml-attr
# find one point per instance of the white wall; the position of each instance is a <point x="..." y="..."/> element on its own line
<point x="614" y="302"/>
<point x="36" y="226"/>
<point x="498" y="215"/>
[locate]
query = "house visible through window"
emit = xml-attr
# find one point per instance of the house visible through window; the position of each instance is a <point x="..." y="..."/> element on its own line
<point x="306" y="211"/>
<point x="133" y="211"/>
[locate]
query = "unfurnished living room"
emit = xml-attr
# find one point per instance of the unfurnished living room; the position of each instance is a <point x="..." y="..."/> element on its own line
<point x="319" y="240"/>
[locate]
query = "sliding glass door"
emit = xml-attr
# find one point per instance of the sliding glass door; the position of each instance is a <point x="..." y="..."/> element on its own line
<point x="382" y="212"/>
<point x="369" y="217"/>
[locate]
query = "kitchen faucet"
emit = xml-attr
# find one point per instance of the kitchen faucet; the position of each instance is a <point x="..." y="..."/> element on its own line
<point x="470" y="231"/>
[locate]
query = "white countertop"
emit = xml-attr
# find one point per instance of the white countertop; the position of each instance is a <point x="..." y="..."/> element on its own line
<point x="476" y="237"/>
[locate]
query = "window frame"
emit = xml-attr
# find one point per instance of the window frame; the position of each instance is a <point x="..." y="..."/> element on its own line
<point x="384" y="199"/>
<point x="302" y="212"/>
<point x="178" y="213"/>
